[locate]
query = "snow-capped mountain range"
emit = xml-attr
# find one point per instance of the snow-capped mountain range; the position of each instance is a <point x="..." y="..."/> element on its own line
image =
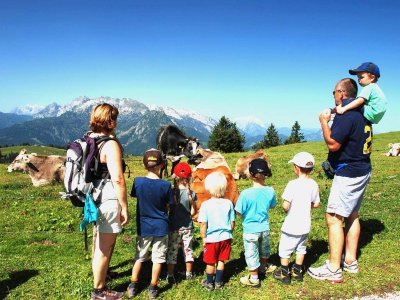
<point x="125" y="106"/>
<point x="137" y="127"/>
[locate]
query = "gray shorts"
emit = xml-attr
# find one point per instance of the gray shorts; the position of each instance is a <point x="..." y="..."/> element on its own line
<point x="346" y="194"/>
<point x="289" y="242"/>
<point x="158" y="245"/>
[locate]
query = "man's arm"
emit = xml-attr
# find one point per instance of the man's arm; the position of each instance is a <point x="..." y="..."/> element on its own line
<point x="324" y="118"/>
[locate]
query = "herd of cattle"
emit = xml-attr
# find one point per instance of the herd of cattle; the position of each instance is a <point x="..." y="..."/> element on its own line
<point x="174" y="145"/>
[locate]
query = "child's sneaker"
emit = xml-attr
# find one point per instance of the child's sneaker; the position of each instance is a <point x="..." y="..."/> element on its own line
<point x="219" y="286"/>
<point x="171" y="280"/>
<point x="106" y="294"/>
<point x="282" y="276"/>
<point x="351" y="268"/>
<point x="190" y="276"/>
<point x="132" y="289"/>
<point x="297" y="273"/>
<point x="265" y="270"/>
<point x="153" y="291"/>
<point x="246" y="280"/>
<point x="207" y="286"/>
<point x="323" y="273"/>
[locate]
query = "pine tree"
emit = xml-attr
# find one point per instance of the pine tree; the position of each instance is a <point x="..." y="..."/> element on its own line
<point x="271" y="139"/>
<point x="226" y="137"/>
<point x="295" y="136"/>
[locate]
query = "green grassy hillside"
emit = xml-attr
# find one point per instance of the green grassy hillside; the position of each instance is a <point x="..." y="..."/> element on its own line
<point x="39" y="150"/>
<point x="42" y="257"/>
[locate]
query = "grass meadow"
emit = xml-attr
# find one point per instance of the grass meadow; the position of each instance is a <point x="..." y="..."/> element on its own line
<point x="42" y="252"/>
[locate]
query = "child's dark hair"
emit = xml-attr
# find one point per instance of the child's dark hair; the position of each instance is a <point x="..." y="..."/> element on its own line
<point x="258" y="176"/>
<point x="305" y="170"/>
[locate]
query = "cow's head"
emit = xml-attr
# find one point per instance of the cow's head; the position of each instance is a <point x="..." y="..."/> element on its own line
<point x="191" y="147"/>
<point x="21" y="162"/>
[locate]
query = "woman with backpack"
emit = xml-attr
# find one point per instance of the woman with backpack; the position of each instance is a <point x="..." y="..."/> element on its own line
<point x="113" y="208"/>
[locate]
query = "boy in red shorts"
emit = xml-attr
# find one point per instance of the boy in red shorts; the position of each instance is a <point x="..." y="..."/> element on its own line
<point x="217" y="220"/>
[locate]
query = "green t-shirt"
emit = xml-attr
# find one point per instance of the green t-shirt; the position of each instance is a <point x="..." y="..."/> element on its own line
<point x="375" y="105"/>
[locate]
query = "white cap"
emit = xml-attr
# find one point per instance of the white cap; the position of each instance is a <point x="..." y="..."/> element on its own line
<point x="303" y="160"/>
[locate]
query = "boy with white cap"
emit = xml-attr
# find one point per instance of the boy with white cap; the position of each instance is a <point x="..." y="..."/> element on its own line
<point x="299" y="196"/>
<point x="371" y="99"/>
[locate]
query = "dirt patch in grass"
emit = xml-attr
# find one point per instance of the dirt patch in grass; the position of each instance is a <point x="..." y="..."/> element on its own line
<point x="44" y="243"/>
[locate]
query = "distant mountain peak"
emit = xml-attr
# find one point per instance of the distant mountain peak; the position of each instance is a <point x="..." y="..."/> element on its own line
<point x="251" y="126"/>
<point x="242" y="121"/>
<point x="29" y="109"/>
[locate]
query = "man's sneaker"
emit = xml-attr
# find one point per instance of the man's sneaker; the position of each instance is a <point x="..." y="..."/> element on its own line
<point x="351" y="268"/>
<point x="189" y="276"/>
<point x="207" y="286"/>
<point x="106" y="294"/>
<point x="171" y="280"/>
<point x="153" y="291"/>
<point x="297" y="274"/>
<point x="323" y="273"/>
<point x="132" y="289"/>
<point x="246" y="280"/>
<point x="282" y="276"/>
<point x="219" y="286"/>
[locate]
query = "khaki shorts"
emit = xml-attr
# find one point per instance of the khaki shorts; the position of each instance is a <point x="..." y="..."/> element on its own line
<point x="158" y="245"/>
<point x="109" y="217"/>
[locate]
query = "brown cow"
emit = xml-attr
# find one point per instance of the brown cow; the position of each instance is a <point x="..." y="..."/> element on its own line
<point x="42" y="170"/>
<point x="207" y="159"/>
<point x="211" y="162"/>
<point x="242" y="165"/>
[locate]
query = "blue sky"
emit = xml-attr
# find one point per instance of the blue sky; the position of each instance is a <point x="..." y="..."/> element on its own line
<point x="275" y="60"/>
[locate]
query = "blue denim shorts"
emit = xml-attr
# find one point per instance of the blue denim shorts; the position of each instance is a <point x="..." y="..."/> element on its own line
<point x="256" y="245"/>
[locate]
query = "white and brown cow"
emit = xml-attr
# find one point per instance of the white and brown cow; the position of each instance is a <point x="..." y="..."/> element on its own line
<point x="242" y="165"/>
<point x="394" y="149"/>
<point x="209" y="162"/>
<point x="41" y="169"/>
<point x="208" y="159"/>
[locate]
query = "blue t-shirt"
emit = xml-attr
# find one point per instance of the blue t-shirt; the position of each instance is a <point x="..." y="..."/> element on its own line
<point x="253" y="204"/>
<point x="152" y="195"/>
<point x="354" y="133"/>
<point x="218" y="213"/>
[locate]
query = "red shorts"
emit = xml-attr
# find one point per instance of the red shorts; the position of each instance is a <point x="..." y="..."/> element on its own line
<point x="219" y="251"/>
